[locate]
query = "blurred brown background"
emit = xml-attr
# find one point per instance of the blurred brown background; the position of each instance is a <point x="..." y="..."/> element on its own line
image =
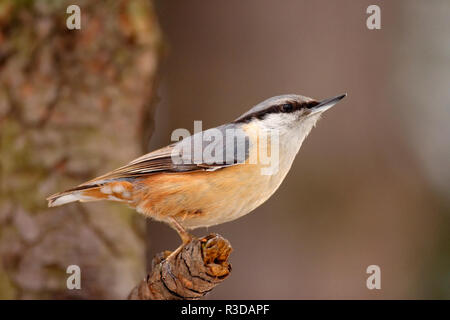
<point x="370" y="185"/>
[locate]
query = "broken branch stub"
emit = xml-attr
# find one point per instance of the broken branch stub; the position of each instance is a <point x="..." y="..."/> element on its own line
<point x="197" y="269"/>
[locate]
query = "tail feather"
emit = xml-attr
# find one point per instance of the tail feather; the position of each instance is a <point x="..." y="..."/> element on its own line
<point x="115" y="191"/>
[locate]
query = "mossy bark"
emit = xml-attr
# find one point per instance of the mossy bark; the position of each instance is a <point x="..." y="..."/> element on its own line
<point x="73" y="104"/>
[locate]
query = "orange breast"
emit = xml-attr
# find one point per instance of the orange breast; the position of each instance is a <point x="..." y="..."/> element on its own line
<point x="203" y="198"/>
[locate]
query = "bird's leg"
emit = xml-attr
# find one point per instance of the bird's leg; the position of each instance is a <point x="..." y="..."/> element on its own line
<point x="185" y="236"/>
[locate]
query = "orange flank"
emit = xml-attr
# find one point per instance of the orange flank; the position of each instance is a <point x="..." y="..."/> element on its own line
<point x="202" y="197"/>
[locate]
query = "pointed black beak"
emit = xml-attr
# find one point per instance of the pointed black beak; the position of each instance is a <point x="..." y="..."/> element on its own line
<point x="328" y="103"/>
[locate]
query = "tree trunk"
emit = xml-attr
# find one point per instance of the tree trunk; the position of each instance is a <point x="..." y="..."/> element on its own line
<point x="73" y="105"/>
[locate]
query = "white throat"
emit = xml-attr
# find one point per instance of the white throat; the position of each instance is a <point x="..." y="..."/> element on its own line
<point x="291" y="132"/>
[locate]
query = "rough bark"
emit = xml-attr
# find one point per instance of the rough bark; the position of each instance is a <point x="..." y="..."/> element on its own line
<point x="72" y="106"/>
<point x="197" y="269"/>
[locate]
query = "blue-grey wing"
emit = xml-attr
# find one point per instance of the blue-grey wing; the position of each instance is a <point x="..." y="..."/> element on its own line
<point x="209" y="150"/>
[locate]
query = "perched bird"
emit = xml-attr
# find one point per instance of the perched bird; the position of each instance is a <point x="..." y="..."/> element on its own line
<point x="215" y="181"/>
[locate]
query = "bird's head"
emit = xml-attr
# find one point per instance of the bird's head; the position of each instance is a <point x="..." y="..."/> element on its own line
<point x="288" y="112"/>
<point x="292" y="116"/>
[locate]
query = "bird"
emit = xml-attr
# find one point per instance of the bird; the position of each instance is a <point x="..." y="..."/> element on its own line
<point x="187" y="187"/>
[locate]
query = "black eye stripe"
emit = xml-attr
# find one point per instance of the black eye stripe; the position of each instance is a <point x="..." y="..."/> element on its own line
<point x="279" y="108"/>
<point x="310" y="104"/>
<point x="294" y="106"/>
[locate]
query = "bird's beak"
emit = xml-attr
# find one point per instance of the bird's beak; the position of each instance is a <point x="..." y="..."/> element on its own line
<point x="327" y="104"/>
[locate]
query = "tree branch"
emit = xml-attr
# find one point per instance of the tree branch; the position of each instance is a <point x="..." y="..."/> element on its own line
<point x="200" y="266"/>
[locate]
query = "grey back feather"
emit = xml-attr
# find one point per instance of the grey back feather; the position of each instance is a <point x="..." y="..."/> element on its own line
<point x="181" y="157"/>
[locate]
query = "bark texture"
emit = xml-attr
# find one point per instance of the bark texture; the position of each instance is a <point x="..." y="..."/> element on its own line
<point x="197" y="269"/>
<point x="73" y="104"/>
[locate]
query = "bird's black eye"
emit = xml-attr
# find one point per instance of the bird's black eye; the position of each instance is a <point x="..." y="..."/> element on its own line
<point x="287" y="107"/>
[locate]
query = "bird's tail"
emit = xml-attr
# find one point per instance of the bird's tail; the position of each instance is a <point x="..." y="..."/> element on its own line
<point x="112" y="190"/>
